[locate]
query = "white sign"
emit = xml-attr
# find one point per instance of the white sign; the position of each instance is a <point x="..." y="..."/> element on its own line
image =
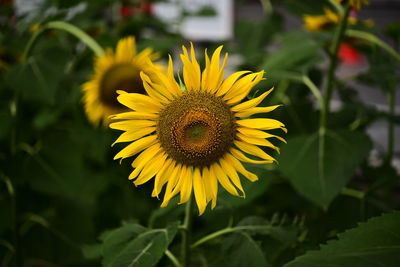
<point x="198" y="19"/>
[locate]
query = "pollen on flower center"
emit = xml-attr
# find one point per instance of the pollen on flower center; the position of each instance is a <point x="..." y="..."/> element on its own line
<point x="197" y="132"/>
<point x="196" y="129"/>
<point x="120" y="77"/>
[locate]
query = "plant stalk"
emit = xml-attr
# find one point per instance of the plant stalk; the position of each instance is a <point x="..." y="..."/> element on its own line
<point x="71" y="29"/>
<point x="186" y="233"/>
<point x="332" y="68"/>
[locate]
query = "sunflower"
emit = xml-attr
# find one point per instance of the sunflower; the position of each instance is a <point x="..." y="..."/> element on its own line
<point x="318" y="23"/>
<point x="112" y="72"/>
<point x="198" y="137"/>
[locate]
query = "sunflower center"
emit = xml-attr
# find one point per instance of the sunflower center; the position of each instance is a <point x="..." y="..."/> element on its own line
<point x="196" y="129"/>
<point x="120" y="77"/>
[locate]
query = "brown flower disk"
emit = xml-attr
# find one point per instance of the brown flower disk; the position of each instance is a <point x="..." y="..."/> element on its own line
<point x="196" y="129"/>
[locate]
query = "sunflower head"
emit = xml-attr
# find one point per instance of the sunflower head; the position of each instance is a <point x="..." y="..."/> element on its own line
<point x="319" y="23"/>
<point x="119" y="70"/>
<point x="195" y="139"/>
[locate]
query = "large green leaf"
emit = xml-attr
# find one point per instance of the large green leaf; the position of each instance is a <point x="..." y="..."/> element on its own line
<point x="134" y="246"/>
<point x="374" y="243"/>
<point x="116" y="240"/>
<point x="298" y="51"/>
<point x="319" y="175"/>
<point x="240" y="249"/>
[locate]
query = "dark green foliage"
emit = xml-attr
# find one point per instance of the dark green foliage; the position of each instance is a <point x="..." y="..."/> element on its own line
<point x="320" y="174"/>
<point x="373" y="243"/>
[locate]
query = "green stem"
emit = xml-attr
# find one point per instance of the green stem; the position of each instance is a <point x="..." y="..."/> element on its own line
<point x="314" y="89"/>
<point x="172" y="258"/>
<point x="337" y="6"/>
<point x="229" y="230"/>
<point x="61" y="25"/>
<point x="213" y="235"/>
<point x="374" y="40"/>
<point x="304" y="79"/>
<point x="186" y="233"/>
<point x="332" y="68"/>
<point x="353" y="193"/>
<point x="329" y="89"/>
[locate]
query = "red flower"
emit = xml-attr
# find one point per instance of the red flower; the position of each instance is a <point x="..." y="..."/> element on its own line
<point x="349" y="55"/>
<point x="127" y="11"/>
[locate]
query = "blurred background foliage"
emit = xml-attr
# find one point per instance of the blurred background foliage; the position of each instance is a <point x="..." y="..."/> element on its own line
<point x="65" y="202"/>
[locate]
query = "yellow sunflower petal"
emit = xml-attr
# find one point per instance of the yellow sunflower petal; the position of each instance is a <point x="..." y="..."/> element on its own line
<point x="257" y="133"/>
<point x="102" y="63"/>
<point x="215" y="73"/>
<point x="239" y="167"/>
<point x="207" y="186"/>
<point x="251" y="103"/>
<point x="167" y="83"/>
<point x="151" y="91"/>
<point x="136" y="147"/>
<point x="174" y="86"/>
<point x="133" y="135"/>
<point x="253" y="150"/>
<point x="151" y="169"/>
<point x="243" y="91"/>
<point x="227" y="84"/>
<point x="256" y="141"/>
<point x="220" y="76"/>
<point x="232" y="174"/>
<point x="160" y="89"/>
<point x="256" y="110"/>
<point x="223" y="179"/>
<point x="199" y="192"/>
<point x="132" y="125"/>
<point x="126" y="49"/>
<point x="134" y="115"/>
<point x="191" y="70"/>
<point x="142" y="159"/>
<point x="237" y="87"/>
<point x="145" y="55"/>
<point x="173" y="180"/>
<point x="213" y="182"/>
<point x="262" y="124"/>
<point x="139" y="102"/>
<point x="206" y="73"/>
<point x="240" y="156"/>
<point x="162" y="177"/>
<point x="186" y="186"/>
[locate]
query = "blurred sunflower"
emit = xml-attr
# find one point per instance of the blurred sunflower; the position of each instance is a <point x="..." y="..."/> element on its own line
<point x="318" y="23"/>
<point x="112" y="72"/>
<point x="195" y="138"/>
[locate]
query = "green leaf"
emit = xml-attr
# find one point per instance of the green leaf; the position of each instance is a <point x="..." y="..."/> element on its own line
<point x="298" y="51"/>
<point x="261" y="226"/>
<point x="320" y="175"/>
<point x="135" y="246"/>
<point x="92" y="251"/>
<point x="374" y="243"/>
<point x="116" y="240"/>
<point x="240" y="249"/>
